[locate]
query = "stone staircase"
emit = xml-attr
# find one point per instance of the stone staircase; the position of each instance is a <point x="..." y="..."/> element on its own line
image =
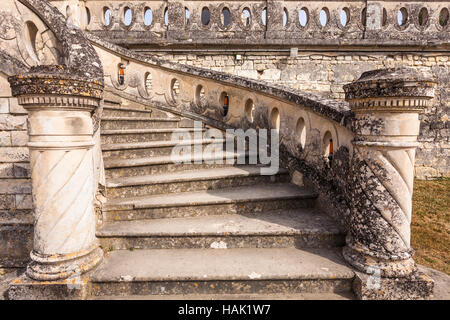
<point x="202" y="228"/>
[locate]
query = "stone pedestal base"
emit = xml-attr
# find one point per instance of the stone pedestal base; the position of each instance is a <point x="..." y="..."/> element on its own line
<point x="417" y="286"/>
<point x="25" y="288"/>
<point x="58" y="267"/>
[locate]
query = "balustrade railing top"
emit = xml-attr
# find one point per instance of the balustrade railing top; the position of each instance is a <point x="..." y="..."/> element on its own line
<point x="277" y="23"/>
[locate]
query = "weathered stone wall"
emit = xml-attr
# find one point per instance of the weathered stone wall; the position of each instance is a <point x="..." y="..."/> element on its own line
<point x="326" y="73"/>
<point x="14" y="172"/>
<point x="15" y="183"/>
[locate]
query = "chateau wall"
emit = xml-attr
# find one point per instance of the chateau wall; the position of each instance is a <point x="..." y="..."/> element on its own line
<point x="326" y="73"/>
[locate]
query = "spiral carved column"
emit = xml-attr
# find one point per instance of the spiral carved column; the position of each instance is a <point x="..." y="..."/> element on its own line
<point x="62" y="167"/>
<point x="386" y="104"/>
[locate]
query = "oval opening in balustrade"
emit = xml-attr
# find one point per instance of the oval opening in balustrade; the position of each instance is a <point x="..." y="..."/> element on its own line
<point x="245" y="17"/>
<point x="31" y="35"/>
<point x="225" y="17"/>
<point x="106" y="16"/>
<point x="264" y="16"/>
<point x="121" y="74"/>
<point x="127" y="16"/>
<point x="423" y="16"/>
<point x="285" y="17"/>
<point x="443" y="17"/>
<point x="344" y="16"/>
<point x="187" y="15"/>
<point x="175" y="89"/>
<point x="324" y="16"/>
<point x="300" y="131"/>
<point x="166" y="17"/>
<point x="148" y="17"/>
<point x="249" y="109"/>
<point x="402" y="16"/>
<point x="225" y="103"/>
<point x="363" y="16"/>
<point x="327" y="144"/>
<point x="88" y="15"/>
<point x="206" y="16"/>
<point x="303" y="16"/>
<point x="148" y="82"/>
<point x="275" y="119"/>
<point x="199" y="95"/>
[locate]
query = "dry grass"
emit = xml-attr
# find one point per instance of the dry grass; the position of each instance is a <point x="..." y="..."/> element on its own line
<point x="430" y="228"/>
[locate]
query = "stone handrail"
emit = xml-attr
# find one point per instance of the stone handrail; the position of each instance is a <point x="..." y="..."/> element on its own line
<point x="77" y="56"/>
<point x="286" y="23"/>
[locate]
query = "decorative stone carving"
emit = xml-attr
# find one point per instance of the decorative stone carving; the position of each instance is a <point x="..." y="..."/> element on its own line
<point x="60" y="129"/>
<point x="386" y="104"/>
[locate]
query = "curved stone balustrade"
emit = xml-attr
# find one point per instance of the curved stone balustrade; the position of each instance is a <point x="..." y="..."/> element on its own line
<point x="261" y="22"/>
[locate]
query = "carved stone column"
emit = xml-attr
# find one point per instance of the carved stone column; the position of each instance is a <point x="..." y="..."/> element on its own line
<point x="386" y="104"/>
<point x="60" y="130"/>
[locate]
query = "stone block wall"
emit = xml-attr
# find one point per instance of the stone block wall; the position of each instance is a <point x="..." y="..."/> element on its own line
<point x="326" y="73"/>
<point x="15" y="168"/>
<point x="15" y="185"/>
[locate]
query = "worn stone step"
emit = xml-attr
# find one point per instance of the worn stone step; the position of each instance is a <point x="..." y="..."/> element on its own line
<point x="345" y="295"/>
<point x="115" y="168"/>
<point x="134" y="150"/>
<point x="117" y="123"/>
<point x="191" y="180"/>
<point x="145" y="135"/>
<point x="298" y="228"/>
<point x="121" y="111"/>
<point x="258" y="198"/>
<point x="221" y="271"/>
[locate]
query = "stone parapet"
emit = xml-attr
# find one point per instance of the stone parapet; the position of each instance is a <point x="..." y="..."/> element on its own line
<point x="268" y="23"/>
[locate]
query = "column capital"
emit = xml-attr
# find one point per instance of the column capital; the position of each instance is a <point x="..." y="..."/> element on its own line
<point x="390" y="90"/>
<point x="55" y="86"/>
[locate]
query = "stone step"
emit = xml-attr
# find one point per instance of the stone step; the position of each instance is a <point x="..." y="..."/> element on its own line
<point x="258" y="198"/>
<point x="120" y="111"/>
<point x="221" y="271"/>
<point x="135" y="150"/>
<point x="191" y="180"/>
<point x="145" y="135"/>
<point x="115" y="168"/>
<point x="117" y="123"/>
<point x="298" y="228"/>
<point x="345" y="295"/>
